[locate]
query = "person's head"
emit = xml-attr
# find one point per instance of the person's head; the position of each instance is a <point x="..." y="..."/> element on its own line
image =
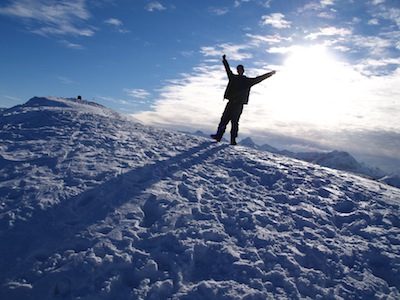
<point x="240" y="69"/>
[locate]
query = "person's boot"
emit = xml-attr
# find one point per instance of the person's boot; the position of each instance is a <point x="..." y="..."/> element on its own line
<point x="233" y="141"/>
<point x="216" y="137"/>
<point x="219" y="134"/>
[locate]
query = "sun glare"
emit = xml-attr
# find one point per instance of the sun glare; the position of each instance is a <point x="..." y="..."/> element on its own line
<point x="310" y="77"/>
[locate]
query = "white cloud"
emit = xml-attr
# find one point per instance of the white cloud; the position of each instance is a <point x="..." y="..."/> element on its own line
<point x="385" y="12"/>
<point x="268" y="39"/>
<point x="234" y="52"/>
<point x="72" y="45"/>
<point x="114" y="22"/>
<point x="320" y="9"/>
<point x="377" y="2"/>
<point x="373" y="22"/>
<point x="326" y="3"/>
<point x="194" y="100"/>
<point x="187" y="53"/>
<point x="65" y="80"/>
<point x="117" y="24"/>
<point x="383" y="62"/>
<point x="12" y="98"/>
<point x="330" y="31"/>
<point x="267" y="3"/>
<point x="377" y="46"/>
<point x="311" y="7"/>
<point x="237" y="3"/>
<point x="276" y="20"/>
<point x="49" y="18"/>
<point x="153" y="6"/>
<point x="281" y="50"/>
<point x="327" y="15"/>
<point x="137" y="93"/>
<point x="115" y="100"/>
<point x="393" y="14"/>
<point x="219" y="11"/>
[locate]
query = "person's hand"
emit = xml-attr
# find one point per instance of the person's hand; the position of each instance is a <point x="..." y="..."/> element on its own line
<point x="224" y="56"/>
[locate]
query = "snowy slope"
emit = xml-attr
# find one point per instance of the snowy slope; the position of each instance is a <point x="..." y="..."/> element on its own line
<point x="97" y="206"/>
<point x="339" y="160"/>
<point x="391" y="179"/>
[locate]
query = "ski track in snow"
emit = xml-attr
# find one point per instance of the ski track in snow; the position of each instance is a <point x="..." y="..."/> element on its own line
<point x="97" y="206"/>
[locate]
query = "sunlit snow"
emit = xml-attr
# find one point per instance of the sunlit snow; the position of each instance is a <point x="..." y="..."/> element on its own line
<point x="95" y="205"/>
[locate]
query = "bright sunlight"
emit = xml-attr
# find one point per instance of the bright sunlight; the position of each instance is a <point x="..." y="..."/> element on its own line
<point x="314" y="86"/>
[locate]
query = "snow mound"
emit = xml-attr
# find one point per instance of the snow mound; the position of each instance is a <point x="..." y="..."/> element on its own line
<point x="97" y="206"/>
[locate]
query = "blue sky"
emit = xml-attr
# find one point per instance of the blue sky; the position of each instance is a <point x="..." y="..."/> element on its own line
<point x="337" y="85"/>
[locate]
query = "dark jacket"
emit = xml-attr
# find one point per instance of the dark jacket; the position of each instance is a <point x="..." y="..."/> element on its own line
<point x="238" y="89"/>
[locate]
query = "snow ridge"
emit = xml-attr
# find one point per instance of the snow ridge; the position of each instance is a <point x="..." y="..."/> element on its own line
<point x="97" y="206"/>
<point x="340" y="160"/>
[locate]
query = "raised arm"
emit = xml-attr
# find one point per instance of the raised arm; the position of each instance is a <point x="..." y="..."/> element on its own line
<point x="226" y="65"/>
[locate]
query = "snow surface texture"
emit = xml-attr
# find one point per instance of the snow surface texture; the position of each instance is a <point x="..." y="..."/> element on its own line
<point x="339" y="160"/>
<point x="97" y="206"/>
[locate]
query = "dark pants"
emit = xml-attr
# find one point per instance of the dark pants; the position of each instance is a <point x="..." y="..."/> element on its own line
<point x="231" y="113"/>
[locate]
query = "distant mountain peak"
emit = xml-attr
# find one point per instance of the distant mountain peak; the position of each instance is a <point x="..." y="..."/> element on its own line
<point x="248" y="142"/>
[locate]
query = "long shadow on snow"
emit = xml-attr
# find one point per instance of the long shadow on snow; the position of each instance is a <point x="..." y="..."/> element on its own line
<point x="49" y="231"/>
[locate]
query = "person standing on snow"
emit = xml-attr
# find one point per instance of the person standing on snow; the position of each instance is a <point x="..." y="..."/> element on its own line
<point x="237" y="92"/>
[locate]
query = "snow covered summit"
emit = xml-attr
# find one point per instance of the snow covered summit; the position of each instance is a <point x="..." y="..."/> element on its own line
<point x="95" y="205"/>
